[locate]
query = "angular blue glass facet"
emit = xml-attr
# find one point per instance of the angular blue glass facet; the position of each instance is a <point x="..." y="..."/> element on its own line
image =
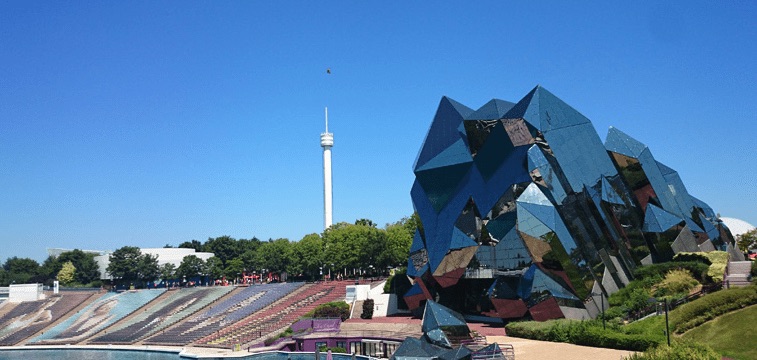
<point x="511" y="253"/>
<point x="693" y="226"/>
<point x="494" y="109"/>
<point x="712" y="231"/>
<point x="543" y="283"/>
<point x="460" y="240"/>
<point x="580" y="151"/>
<point x="609" y="194"/>
<point x="441" y="184"/>
<point x="510" y="172"/>
<point x="502" y="224"/>
<point x="414" y="290"/>
<point x="708" y="212"/>
<point x="443" y="131"/>
<point x="545" y="214"/>
<point x="457" y="153"/>
<point x="526" y="282"/>
<point x="417" y="242"/>
<point x="658" y="220"/>
<point x="496" y="149"/>
<point x="678" y="189"/>
<point x="530" y="224"/>
<point x="537" y="160"/>
<point x="621" y="143"/>
<point x="526" y="109"/>
<point x="549" y="207"/>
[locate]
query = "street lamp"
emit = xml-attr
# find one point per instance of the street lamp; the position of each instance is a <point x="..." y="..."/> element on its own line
<point x="602" y="302"/>
<point x="667" y="325"/>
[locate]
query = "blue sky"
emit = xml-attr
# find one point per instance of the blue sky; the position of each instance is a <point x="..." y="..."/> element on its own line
<point x="146" y="123"/>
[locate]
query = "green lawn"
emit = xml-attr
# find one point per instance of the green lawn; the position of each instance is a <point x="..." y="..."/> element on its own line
<point x="654" y="327"/>
<point x="731" y="335"/>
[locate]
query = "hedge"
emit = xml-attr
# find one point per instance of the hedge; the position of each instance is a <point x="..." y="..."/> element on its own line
<point x="588" y="333"/>
<point x="698" y="270"/>
<point x="706" y="308"/>
<point x="678" y="350"/>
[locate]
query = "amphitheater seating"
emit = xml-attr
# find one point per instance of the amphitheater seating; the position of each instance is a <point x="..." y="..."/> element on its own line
<point x="229" y="311"/>
<point x="179" y="305"/>
<point x="276" y="317"/>
<point x="28" y="318"/>
<point x="96" y="316"/>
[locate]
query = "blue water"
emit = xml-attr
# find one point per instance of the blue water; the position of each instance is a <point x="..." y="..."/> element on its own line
<point x="65" y="354"/>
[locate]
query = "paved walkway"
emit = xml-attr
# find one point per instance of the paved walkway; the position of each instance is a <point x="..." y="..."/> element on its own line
<point x="542" y="350"/>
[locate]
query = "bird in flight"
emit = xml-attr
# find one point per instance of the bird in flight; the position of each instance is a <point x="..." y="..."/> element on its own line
<point x="328" y="71"/>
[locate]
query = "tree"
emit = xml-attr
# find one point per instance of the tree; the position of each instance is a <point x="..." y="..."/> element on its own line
<point x="66" y="273"/>
<point x="21" y="271"/>
<point x="128" y="265"/>
<point x="365" y="222"/>
<point x="223" y="247"/>
<point x="342" y="244"/>
<point x="214" y="267"/>
<point x="307" y="256"/>
<point x="399" y="237"/>
<point x="49" y="270"/>
<point x="747" y="240"/>
<point x="167" y="271"/>
<point x="87" y="270"/>
<point x="234" y="268"/>
<point x="148" y="268"/>
<point x="191" y="266"/>
<point x="194" y="244"/>
<point x="274" y="255"/>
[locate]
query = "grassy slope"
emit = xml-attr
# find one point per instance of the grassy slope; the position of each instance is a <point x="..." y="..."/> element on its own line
<point x="731" y="335"/>
<point x="653" y="327"/>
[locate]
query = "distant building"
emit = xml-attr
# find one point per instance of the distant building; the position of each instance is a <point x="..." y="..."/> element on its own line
<point x="525" y="213"/>
<point x="165" y="255"/>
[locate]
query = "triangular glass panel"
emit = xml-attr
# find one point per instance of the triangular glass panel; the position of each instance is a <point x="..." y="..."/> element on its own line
<point x="456" y="153"/>
<point x="460" y="240"/>
<point x="443" y="131"/>
<point x="658" y="220"/>
<point x="621" y="143"/>
<point x="609" y="194"/>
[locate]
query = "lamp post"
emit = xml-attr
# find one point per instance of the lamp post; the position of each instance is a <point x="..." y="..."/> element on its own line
<point x="667" y="325"/>
<point x="602" y="302"/>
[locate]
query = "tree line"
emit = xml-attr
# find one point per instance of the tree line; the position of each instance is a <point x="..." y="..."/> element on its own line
<point x="343" y="249"/>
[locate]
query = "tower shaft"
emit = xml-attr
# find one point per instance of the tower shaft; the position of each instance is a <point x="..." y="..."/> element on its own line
<point x="327" y="141"/>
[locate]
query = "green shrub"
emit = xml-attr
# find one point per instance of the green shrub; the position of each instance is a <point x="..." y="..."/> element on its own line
<point x="676" y="282"/>
<point x="367" y="309"/>
<point x="692" y="256"/>
<point x="338" y="350"/>
<point x="588" y="333"/>
<point x="706" y="308"/>
<point x="719" y="261"/>
<point x="334" y="309"/>
<point x="753" y="272"/>
<point x="286" y="333"/>
<point x="697" y="269"/>
<point x="678" y="350"/>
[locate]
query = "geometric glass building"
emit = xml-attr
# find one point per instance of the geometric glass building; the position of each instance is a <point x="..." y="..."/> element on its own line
<point x="526" y="213"/>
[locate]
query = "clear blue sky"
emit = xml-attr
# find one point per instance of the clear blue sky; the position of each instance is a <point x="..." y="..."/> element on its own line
<point x="146" y="123"/>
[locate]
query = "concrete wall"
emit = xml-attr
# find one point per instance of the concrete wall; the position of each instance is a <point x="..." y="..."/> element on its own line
<point x="25" y="292"/>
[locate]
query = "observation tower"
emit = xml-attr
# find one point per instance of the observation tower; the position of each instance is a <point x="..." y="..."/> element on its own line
<point x="327" y="141"/>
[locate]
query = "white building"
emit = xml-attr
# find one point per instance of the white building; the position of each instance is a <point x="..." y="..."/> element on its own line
<point x="165" y="256"/>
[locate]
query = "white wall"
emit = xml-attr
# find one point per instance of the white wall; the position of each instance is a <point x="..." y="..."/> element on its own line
<point x="165" y="256"/>
<point x="25" y="292"/>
